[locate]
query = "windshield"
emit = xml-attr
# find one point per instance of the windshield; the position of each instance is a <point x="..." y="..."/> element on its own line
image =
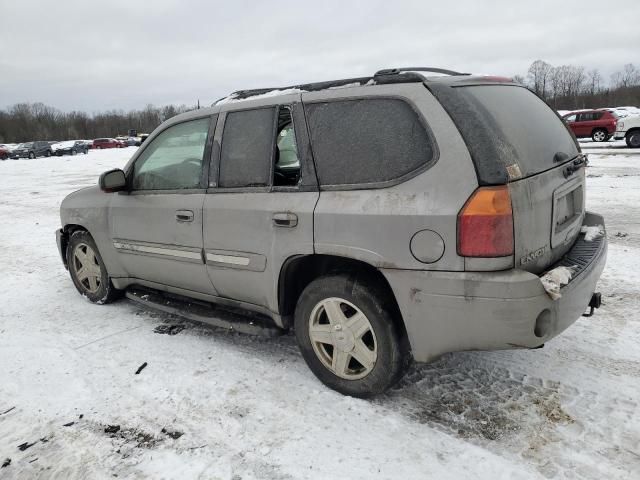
<point x="528" y="132"/>
<point x="26" y="145"/>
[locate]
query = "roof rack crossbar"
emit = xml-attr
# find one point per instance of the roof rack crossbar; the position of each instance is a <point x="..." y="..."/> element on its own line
<point x="395" y="71"/>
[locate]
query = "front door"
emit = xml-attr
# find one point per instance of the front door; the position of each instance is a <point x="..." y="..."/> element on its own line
<point x="259" y="211"/>
<point x="157" y="226"/>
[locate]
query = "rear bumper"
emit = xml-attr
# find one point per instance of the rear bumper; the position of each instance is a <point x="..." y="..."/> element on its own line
<point x="452" y="311"/>
<point x="619" y="135"/>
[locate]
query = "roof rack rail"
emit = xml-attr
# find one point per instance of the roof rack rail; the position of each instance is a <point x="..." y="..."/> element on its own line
<point x="395" y="71"/>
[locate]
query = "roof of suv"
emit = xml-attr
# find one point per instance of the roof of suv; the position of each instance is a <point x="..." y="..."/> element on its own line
<point x="381" y="77"/>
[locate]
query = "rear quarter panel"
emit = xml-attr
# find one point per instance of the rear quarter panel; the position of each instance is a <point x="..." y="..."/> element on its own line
<point x="376" y="225"/>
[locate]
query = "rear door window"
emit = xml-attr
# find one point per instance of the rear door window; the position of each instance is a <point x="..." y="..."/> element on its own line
<point x="367" y="141"/>
<point x="528" y="132"/>
<point x="247" y="148"/>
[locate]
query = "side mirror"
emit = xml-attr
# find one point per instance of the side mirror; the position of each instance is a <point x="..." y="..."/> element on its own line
<point x="113" y="181"/>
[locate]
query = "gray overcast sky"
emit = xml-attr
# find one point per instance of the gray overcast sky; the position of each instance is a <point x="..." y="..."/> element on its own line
<point x="92" y="56"/>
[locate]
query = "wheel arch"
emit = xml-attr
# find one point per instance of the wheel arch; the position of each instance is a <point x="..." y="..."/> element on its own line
<point x="300" y="270"/>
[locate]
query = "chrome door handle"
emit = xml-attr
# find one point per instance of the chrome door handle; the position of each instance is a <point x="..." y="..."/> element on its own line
<point x="285" y="219"/>
<point x="184" y="216"/>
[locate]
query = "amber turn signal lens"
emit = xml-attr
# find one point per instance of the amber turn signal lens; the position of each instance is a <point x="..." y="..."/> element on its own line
<point x="485" y="224"/>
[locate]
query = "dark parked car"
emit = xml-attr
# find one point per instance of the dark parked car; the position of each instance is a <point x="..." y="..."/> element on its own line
<point x="32" y="150"/>
<point x="71" y="147"/>
<point x="106" y="143"/>
<point x="600" y="125"/>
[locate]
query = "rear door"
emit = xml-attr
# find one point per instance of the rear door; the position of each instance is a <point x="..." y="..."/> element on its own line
<point x="156" y="227"/>
<point x="546" y="180"/>
<point x="258" y="211"/>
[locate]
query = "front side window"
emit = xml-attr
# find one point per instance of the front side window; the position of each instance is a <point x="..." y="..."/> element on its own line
<point x="173" y="160"/>
<point x="366" y="141"/>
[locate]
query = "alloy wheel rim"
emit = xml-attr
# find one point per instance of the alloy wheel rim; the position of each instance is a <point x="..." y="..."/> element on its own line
<point x="87" y="268"/>
<point x="599" y="136"/>
<point x="635" y="140"/>
<point x="343" y="338"/>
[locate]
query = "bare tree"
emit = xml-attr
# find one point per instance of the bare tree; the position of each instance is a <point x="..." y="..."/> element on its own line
<point x="539" y="75"/>
<point x="594" y="81"/>
<point x="628" y="77"/>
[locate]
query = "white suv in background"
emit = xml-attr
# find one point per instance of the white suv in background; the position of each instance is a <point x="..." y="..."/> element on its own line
<point x="629" y="128"/>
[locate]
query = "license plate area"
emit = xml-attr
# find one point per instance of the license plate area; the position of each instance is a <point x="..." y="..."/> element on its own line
<point x="568" y="211"/>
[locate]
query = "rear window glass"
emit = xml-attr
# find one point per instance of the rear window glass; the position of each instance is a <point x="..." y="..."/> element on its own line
<point x="528" y="132"/>
<point x="367" y="141"/>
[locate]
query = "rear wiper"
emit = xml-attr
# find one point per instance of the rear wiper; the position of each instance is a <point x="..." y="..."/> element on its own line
<point x="580" y="161"/>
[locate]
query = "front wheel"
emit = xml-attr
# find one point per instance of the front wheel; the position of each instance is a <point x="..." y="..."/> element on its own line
<point x="87" y="269"/>
<point x="633" y="139"/>
<point x="349" y="335"/>
<point x="599" y="135"/>
<point x="32" y="155"/>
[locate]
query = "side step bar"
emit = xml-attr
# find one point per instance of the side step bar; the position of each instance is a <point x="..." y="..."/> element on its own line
<point x="202" y="312"/>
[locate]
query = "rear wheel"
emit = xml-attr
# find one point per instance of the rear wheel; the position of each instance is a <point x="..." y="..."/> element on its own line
<point x="87" y="269"/>
<point x="633" y="139"/>
<point x="348" y="335"/>
<point x="599" y="135"/>
<point x="32" y="155"/>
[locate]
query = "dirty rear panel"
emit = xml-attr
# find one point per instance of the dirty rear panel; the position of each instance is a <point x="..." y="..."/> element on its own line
<point x="516" y="138"/>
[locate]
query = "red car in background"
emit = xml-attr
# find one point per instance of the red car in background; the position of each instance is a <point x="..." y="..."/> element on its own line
<point x="4" y="153"/>
<point x="107" y="143"/>
<point x="600" y="125"/>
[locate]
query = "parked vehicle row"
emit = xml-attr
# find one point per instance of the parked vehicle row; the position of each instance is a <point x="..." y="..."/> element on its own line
<point x="604" y="123"/>
<point x="42" y="148"/>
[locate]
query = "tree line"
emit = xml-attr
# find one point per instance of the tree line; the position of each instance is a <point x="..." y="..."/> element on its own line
<point x="570" y="87"/>
<point x="35" y="121"/>
<point x="564" y="87"/>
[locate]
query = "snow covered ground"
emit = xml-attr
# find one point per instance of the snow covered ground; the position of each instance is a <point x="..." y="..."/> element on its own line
<point x="211" y="404"/>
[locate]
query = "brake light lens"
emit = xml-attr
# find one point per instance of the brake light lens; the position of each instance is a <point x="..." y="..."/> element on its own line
<point x="485" y="224"/>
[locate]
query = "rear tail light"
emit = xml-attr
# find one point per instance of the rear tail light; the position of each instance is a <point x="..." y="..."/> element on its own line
<point x="485" y="224"/>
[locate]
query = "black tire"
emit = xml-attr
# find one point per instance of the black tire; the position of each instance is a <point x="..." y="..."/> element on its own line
<point x="47" y="153"/>
<point x="378" y="307"/>
<point x="633" y="138"/>
<point x="599" y="135"/>
<point x="32" y="155"/>
<point x="105" y="292"/>
<point x="74" y="152"/>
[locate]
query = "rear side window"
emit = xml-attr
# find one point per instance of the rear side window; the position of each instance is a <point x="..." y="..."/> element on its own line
<point x="525" y="130"/>
<point x="247" y="148"/>
<point x="366" y="141"/>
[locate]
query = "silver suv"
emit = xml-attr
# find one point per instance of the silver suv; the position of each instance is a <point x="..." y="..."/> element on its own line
<point x="385" y="219"/>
